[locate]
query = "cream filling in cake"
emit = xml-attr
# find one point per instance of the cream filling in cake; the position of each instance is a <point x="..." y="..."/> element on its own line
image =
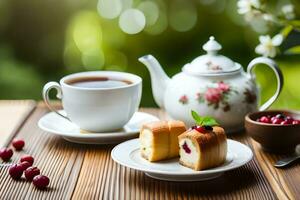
<point x="146" y="142"/>
<point x="188" y="152"/>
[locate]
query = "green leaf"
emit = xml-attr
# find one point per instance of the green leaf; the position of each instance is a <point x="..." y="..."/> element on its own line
<point x="286" y="30"/>
<point x="197" y="118"/>
<point x="209" y="121"/>
<point x="204" y="121"/>
<point x="295" y="23"/>
<point x="293" y="50"/>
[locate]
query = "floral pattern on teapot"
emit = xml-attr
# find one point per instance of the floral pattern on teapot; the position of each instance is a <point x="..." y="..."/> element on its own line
<point x="217" y="95"/>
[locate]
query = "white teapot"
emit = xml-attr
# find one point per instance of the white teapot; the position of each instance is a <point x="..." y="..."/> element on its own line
<point x="212" y="85"/>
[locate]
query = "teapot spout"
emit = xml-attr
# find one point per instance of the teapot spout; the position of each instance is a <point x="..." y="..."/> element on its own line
<point x="159" y="79"/>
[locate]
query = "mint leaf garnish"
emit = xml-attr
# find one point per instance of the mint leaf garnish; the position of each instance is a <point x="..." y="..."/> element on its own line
<point x="209" y="121"/>
<point x="204" y="121"/>
<point x="198" y="119"/>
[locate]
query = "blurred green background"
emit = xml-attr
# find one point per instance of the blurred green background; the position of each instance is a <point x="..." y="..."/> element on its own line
<point x="41" y="41"/>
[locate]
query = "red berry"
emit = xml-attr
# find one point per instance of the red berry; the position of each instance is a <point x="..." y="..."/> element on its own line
<point x="296" y="122"/>
<point x="264" y="119"/>
<point x="16" y="171"/>
<point x="186" y="148"/>
<point x="31" y="172"/>
<point x="289" y="117"/>
<point x="277" y="121"/>
<point x="27" y="158"/>
<point x="200" y="129"/>
<point x="285" y="122"/>
<point x="289" y="120"/>
<point x="41" y="181"/>
<point x="6" y="154"/>
<point x="25" y="164"/>
<point x="18" y="144"/>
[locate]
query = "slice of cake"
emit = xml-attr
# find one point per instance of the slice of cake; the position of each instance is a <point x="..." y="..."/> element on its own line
<point x="203" y="147"/>
<point x="159" y="140"/>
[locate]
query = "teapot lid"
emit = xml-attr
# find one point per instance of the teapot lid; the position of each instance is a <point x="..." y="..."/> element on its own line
<point x="211" y="63"/>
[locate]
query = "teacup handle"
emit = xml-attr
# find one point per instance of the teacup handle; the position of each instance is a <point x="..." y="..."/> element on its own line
<point x="270" y="63"/>
<point x="46" y="90"/>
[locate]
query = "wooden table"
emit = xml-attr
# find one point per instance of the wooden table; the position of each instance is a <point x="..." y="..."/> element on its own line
<point x="87" y="172"/>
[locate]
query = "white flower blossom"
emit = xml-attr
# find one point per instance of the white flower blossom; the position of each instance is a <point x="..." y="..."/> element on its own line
<point x="248" y="8"/>
<point x="268" y="17"/>
<point x="288" y="11"/>
<point x="268" y="46"/>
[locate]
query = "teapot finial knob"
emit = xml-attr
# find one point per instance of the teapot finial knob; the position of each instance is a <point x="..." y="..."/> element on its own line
<point x="212" y="46"/>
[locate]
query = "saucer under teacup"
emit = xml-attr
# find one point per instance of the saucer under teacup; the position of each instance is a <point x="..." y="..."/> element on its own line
<point x="57" y="125"/>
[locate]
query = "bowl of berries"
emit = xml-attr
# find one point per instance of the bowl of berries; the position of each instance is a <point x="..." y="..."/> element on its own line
<point x="276" y="130"/>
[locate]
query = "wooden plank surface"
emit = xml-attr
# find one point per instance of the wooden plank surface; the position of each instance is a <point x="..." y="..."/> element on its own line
<point x="87" y="172"/>
<point x="58" y="159"/>
<point x="285" y="182"/>
<point x="12" y="114"/>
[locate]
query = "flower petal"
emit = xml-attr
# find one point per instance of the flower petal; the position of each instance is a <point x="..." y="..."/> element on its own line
<point x="277" y="40"/>
<point x="260" y="49"/>
<point x="263" y="39"/>
<point x="243" y="3"/>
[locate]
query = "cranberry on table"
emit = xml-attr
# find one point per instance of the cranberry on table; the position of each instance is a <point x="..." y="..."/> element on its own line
<point x="25" y="164"/>
<point x="41" y="181"/>
<point x="16" y="171"/>
<point x="27" y="158"/>
<point x="6" y="154"/>
<point x="296" y="122"/>
<point x="31" y="172"/>
<point x="18" y="144"/>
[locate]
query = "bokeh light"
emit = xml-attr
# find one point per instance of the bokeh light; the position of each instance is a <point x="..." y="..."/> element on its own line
<point x="117" y="61"/>
<point x="126" y="4"/>
<point x="84" y="42"/>
<point x="87" y="32"/>
<point x="109" y="9"/>
<point x="93" y="59"/>
<point x="183" y="15"/>
<point x="160" y="26"/>
<point x="150" y="10"/>
<point x="132" y="21"/>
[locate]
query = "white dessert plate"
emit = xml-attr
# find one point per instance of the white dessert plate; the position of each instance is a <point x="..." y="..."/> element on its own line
<point x="128" y="154"/>
<point x="54" y="124"/>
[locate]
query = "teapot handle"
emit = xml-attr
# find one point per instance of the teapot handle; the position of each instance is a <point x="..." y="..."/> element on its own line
<point x="270" y="63"/>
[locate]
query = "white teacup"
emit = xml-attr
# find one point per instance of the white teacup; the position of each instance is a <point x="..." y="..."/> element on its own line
<point x="97" y="106"/>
